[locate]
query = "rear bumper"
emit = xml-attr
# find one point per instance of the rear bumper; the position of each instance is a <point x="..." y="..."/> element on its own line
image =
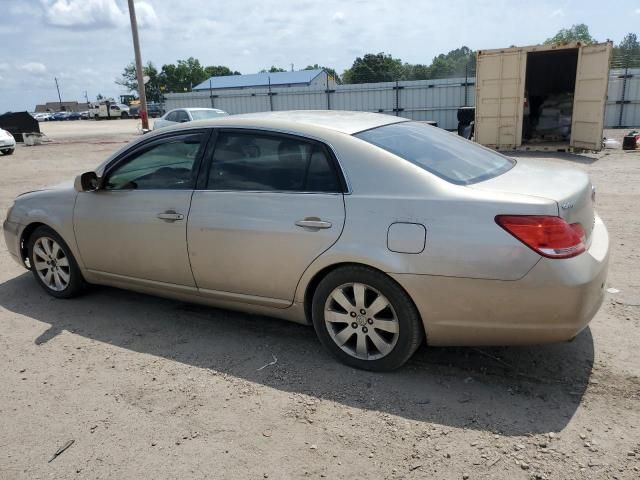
<point x="552" y="303"/>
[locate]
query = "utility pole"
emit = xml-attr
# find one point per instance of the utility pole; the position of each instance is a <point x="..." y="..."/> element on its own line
<point x="139" y="73"/>
<point x="86" y="97"/>
<point x="58" y="88"/>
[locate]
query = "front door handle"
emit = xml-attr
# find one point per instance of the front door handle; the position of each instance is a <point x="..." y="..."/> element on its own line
<point x="170" y="216"/>
<point x="313" y="222"/>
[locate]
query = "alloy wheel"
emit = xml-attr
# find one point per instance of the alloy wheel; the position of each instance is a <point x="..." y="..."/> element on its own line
<point x="361" y="321"/>
<point x="51" y="264"/>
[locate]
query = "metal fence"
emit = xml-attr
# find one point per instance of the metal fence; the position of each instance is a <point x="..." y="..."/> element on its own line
<point x="436" y="100"/>
<point x="419" y="100"/>
<point x="623" y="101"/>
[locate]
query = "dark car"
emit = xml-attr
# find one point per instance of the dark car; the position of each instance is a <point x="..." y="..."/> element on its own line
<point x="60" y="116"/>
<point x="155" y="110"/>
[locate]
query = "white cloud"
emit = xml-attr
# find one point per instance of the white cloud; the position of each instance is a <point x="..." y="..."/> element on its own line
<point x="638" y="11"/>
<point x="339" y="17"/>
<point x="557" y="13"/>
<point x="95" y="14"/>
<point x="4" y="67"/>
<point x="146" y="15"/>
<point x="33" y="68"/>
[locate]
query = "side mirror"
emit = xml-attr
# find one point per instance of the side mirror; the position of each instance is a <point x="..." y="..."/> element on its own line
<point x="87" y="182"/>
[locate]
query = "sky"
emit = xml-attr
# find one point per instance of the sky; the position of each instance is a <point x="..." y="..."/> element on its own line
<point x="85" y="44"/>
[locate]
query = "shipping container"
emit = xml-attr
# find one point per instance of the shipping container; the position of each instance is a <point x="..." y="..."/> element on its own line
<point x="549" y="97"/>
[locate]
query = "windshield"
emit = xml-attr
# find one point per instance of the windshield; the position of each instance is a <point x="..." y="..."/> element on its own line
<point x="444" y="154"/>
<point x="204" y="114"/>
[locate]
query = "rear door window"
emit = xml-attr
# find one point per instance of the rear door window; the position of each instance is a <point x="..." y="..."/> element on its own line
<point x="444" y="154"/>
<point x="265" y="162"/>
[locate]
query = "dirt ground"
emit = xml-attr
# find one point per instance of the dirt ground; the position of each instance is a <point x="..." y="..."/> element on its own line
<point x="152" y="388"/>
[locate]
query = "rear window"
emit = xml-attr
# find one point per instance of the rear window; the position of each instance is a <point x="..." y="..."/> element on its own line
<point x="444" y="154"/>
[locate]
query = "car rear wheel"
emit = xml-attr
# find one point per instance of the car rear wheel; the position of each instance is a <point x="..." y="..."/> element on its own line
<point x="53" y="264"/>
<point x="7" y="151"/>
<point x="365" y="319"/>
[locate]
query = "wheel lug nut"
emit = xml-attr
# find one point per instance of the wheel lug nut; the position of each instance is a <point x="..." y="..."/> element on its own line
<point x="365" y="329"/>
<point x="370" y="321"/>
<point x="353" y="314"/>
<point x="354" y="325"/>
<point x="362" y="311"/>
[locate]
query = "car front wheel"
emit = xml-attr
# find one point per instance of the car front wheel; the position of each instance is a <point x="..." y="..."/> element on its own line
<point x="53" y="264"/>
<point x="365" y="319"/>
<point x="7" y="151"/>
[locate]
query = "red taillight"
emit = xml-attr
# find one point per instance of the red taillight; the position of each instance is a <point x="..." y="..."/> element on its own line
<point x="551" y="237"/>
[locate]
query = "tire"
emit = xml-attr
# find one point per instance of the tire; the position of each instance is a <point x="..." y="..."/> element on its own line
<point x="399" y="325"/>
<point x="65" y="279"/>
<point x="124" y="115"/>
<point x="8" y="151"/>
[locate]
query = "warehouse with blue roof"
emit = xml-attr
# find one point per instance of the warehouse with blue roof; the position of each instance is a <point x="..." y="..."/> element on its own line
<point x="302" y="78"/>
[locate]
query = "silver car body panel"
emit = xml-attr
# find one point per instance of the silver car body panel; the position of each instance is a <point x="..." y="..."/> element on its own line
<point x="118" y="231"/>
<point x="473" y="283"/>
<point x="249" y="243"/>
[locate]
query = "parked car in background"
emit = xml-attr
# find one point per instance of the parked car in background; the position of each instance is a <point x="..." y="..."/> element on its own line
<point x="183" y="115"/>
<point x="7" y="142"/>
<point x="42" y="116"/>
<point x="108" y="110"/>
<point x="84" y="115"/>
<point x="74" y="116"/>
<point x="58" y="116"/>
<point x="155" y="110"/>
<point x="377" y="230"/>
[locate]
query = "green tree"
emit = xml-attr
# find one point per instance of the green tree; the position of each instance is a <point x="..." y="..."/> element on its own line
<point x="627" y="52"/>
<point x="453" y="64"/>
<point x="218" y="71"/>
<point x="331" y="71"/>
<point x="577" y="33"/>
<point x="183" y="75"/>
<point x="273" y="69"/>
<point x="99" y="97"/>
<point x="153" y="88"/>
<point x="416" y="72"/>
<point x="372" y="68"/>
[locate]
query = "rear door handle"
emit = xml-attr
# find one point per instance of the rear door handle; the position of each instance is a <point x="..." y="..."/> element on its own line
<point x="170" y="216"/>
<point x="313" y="223"/>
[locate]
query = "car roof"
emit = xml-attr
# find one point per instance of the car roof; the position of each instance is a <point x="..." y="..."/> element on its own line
<point x="191" y="109"/>
<point x="304" y="121"/>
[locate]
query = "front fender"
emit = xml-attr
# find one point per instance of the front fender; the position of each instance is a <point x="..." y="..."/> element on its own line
<point x="53" y="208"/>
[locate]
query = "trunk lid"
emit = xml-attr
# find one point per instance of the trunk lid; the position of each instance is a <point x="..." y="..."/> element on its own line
<point x="571" y="189"/>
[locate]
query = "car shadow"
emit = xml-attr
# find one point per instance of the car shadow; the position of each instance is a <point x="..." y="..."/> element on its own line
<point x="512" y="391"/>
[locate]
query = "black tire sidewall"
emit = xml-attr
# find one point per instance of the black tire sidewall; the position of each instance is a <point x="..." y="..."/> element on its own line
<point x="411" y="331"/>
<point x="76" y="282"/>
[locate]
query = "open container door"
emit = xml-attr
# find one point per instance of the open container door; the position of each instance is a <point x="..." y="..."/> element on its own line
<point x="592" y="81"/>
<point x="500" y="97"/>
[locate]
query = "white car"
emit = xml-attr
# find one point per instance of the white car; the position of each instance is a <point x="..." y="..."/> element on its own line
<point x="42" y="116"/>
<point x="183" y="115"/>
<point x="7" y="142"/>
